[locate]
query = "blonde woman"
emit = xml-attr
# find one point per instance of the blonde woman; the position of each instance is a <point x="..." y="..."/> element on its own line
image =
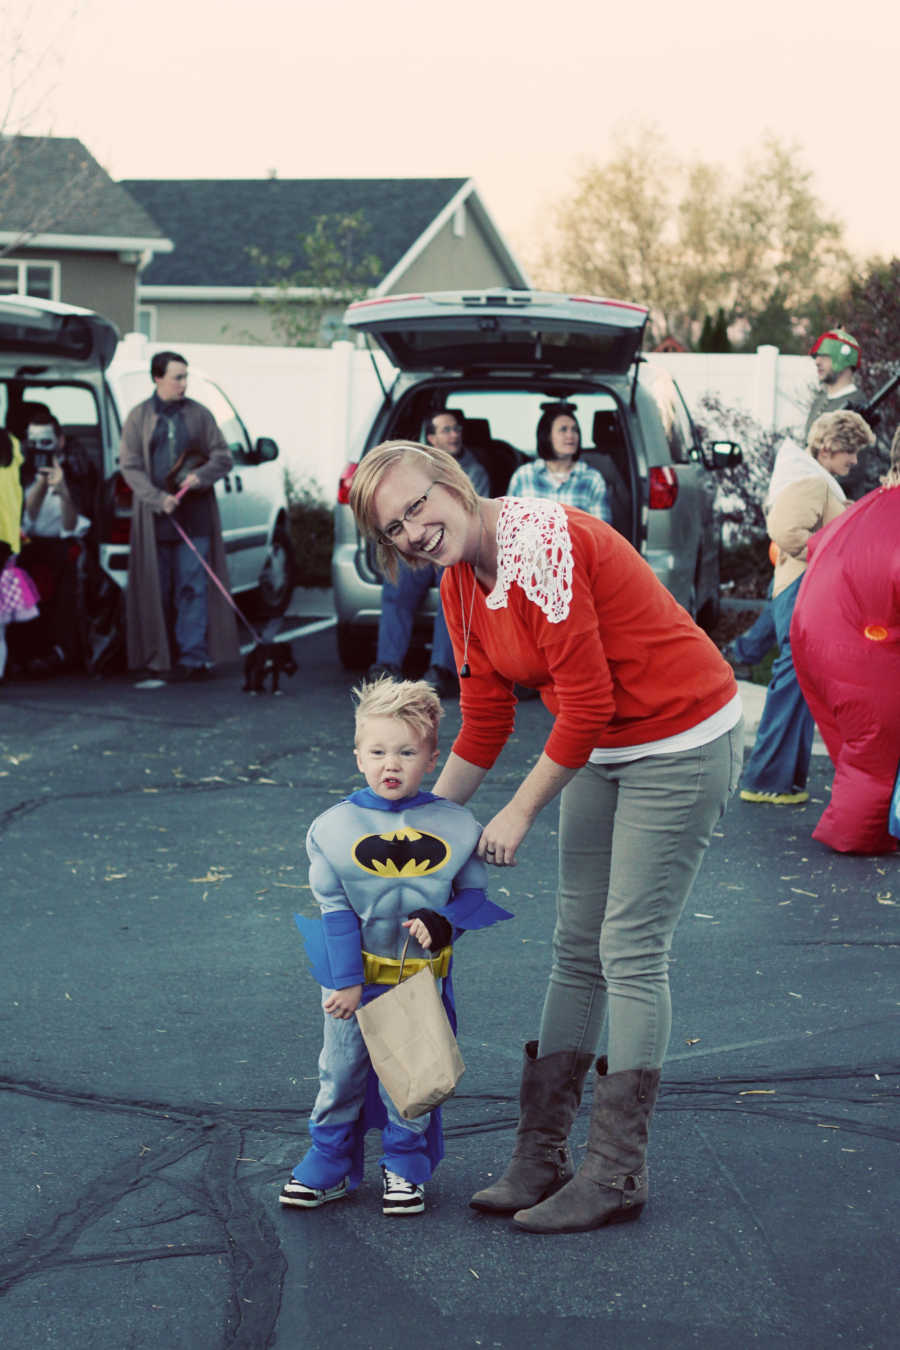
<point x="644" y="751"/>
<point x="804" y="495"/>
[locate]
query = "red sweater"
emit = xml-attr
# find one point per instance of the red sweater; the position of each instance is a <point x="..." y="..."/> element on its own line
<point x="627" y="666"/>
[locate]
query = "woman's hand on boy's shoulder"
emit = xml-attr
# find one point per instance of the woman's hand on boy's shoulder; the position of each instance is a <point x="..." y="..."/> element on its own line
<point x="343" y="1003"/>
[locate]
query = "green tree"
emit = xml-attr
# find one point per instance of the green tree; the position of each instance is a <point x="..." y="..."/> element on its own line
<point x="686" y="236"/>
<point x="777" y="236"/>
<point x="305" y="302"/>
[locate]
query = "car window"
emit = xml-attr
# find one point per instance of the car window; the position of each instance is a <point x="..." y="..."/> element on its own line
<point x="69" y="403"/>
<point x="131" y="389"/>
<point x="675" y="419"/>
<point x="73" y="405"/>
<point x="230" y="424"/>
<point x="513" y="414"/>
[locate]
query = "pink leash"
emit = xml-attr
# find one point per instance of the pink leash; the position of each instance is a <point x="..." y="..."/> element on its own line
<point x="211" y="574"/>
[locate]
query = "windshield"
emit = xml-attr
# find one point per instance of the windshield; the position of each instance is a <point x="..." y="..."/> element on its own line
<point x="512" y="415"/>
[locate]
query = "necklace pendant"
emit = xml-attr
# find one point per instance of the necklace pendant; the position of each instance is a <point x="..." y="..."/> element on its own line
<point x="464" y="671"/>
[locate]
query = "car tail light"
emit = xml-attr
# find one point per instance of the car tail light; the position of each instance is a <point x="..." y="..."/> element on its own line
<point x="120" y="524"/>
<point x="346" y="478"/>
<point x="663" y="487"/>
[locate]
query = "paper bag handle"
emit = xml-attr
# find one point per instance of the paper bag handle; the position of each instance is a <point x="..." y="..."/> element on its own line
<point x="403" y="958"/>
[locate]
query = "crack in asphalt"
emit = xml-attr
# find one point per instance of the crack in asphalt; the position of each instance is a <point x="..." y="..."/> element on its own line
<point x="249" y="1240"/>
<point x="250" y="1244"/>
<point x="162" y="789"/>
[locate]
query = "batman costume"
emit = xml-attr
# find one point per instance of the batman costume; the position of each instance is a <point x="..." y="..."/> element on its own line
<point x="372" y="864"/>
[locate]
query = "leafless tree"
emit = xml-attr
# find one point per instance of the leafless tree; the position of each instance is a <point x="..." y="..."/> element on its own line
<point x="39" y="182"/>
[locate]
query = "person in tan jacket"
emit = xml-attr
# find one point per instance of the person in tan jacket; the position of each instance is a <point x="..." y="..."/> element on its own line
<point x="804" y="495"/>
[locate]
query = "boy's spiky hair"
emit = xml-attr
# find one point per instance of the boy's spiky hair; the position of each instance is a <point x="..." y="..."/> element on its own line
<point x="411" y="701"/>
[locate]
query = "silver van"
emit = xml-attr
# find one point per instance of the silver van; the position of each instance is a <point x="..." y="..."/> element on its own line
<point x="69" y="360"/>
<point x="496" y="357"/>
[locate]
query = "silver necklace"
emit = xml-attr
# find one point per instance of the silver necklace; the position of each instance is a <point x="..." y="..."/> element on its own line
<point x="465" y="669"/>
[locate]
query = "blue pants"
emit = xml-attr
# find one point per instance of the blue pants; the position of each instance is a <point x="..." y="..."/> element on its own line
<point x="759" y="639"/>
<point x="182" y="584"/>
<point x="335" y="1120"/>
<point x="780" y="757"/>
<point x="400" y="601"/>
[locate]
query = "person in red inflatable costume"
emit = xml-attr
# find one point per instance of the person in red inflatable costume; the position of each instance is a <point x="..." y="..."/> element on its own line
<point x="845" y="638"/>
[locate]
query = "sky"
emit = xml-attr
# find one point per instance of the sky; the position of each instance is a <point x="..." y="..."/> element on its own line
<point x="518" y="94"/>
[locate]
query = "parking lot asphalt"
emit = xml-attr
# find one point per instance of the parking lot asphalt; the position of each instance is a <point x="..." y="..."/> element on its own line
<point x="160" y="1035"/>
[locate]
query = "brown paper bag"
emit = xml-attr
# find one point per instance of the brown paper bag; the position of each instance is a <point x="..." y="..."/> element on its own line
<point x="411" y="1044"/>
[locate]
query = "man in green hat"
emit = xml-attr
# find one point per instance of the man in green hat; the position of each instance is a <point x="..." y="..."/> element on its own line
<point x="836" y="354"/>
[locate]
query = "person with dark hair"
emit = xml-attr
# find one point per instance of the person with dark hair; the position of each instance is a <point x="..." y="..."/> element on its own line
<point x="402" y="595"/>
<point x="172" y="452"/>
<point x="558" y="472"/>
<point x="645" y="750"/>
<point x="60" y="485"/>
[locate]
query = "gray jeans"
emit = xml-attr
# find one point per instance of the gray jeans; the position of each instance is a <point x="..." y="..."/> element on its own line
<point x="631" y="840"/>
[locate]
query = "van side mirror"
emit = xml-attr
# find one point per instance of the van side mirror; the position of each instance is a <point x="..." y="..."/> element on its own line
<point x="265" y="450"/>
<point x="722" y="455"/>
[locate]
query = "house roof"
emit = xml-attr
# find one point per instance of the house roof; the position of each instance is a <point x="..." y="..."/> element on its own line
<point x="213" y="222"/>
<point x="53" y="186"/>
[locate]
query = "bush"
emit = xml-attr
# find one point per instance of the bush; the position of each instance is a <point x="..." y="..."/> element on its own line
<point x="312" y="530"/>
<point x="741" y="491"/>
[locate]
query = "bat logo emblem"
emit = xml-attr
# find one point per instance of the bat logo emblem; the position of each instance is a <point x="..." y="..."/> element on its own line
<point x="401" y="853"/>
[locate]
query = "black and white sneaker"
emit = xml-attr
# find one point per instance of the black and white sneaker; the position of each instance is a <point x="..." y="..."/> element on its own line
<point x="401" y="1196"/>
<point x="305" y="1197"/>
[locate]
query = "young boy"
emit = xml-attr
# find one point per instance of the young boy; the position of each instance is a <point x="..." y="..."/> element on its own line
<point x="387" y="862"/>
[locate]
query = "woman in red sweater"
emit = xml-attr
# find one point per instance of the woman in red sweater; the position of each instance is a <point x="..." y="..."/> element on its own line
<point x="646" y="748"/>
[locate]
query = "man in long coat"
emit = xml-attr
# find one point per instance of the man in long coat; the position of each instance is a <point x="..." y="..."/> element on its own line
<point x="178" y="622"/>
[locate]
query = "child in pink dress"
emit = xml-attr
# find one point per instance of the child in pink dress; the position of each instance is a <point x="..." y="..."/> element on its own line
<point x="18" y="597"/>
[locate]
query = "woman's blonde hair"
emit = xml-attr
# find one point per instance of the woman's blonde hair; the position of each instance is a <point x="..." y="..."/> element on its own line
<point x="892" y="477"/>
<point x="411" y="701"/>
<point x="441" y="468"/>
<point x="838" y="431"/>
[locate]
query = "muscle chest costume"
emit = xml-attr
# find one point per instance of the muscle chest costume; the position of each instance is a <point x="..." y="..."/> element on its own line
<point x="374" y="862"/>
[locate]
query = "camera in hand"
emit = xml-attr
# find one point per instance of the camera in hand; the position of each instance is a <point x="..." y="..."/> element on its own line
<point x="41" y="451"/>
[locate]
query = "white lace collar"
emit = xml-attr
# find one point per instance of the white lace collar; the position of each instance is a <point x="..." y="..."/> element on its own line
<point x="534" y="551"/>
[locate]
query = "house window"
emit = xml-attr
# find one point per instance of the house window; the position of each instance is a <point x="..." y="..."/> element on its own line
<point x="146" y="321"/>
<point x="459" y="222"/>
<point x="40" y="279"/>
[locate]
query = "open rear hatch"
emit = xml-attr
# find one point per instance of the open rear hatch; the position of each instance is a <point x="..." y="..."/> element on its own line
<point x="40" y="330"/>
<point x="503" y="331"/>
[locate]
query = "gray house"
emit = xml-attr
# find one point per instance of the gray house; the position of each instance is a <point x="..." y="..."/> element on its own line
<point x="426" y="233"/>
<point x="68" y="232"/>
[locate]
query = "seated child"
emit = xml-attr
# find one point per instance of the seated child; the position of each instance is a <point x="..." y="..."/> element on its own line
<point x="387" y="862"/>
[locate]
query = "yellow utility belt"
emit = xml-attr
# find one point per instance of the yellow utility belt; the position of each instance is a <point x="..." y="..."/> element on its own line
<point x="385" y="970"/>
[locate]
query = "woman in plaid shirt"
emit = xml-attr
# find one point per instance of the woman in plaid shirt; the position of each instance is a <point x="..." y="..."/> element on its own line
<point x="558" y="473"/>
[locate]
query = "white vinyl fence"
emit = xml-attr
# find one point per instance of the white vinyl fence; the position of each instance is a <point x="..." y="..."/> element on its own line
<point x="316" y="402"/>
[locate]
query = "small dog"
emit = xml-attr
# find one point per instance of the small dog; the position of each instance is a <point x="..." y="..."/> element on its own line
<point x="272" y="659"/>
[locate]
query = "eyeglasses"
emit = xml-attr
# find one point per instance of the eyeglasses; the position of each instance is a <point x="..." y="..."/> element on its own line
<point x="391" y="533"/>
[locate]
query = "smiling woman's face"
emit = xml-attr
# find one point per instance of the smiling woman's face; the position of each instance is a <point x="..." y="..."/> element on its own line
<point x="440" y="528"/>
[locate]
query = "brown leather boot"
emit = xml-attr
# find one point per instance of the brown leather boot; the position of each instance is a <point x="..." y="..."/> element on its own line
<point x="549" y="1096"/>
<point x="611" y="1184"/>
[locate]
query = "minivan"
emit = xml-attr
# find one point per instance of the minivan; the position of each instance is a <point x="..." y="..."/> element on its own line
<point x="496" y="357"/>
<point x="70" y="360"/>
